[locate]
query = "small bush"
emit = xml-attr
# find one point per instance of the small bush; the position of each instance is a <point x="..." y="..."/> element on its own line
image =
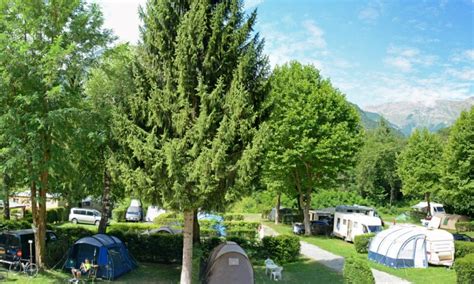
<point x="361" y="242"/>
<point x="233" y="225"/>
<point x="9" y="225"/>
<point x="169" y="219"/>
<point x="464" y="267"/>
<point x="282" y="248"/>
<point x="233" y="217"/>
<point x="357" y="271"/>
<point x="56" y="215"/>
<point x="242" y="233"/>
<point x="118" y="214"/>
<point x="465" y="226"/>
<point x="72" y="234"/>
<point x="462" y="248"/>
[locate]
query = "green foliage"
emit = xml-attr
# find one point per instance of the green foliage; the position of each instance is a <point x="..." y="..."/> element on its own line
<point x="313" y="133"/>
<point x="250" y="234"/>
<point x="71" y="234"/>
<point x="465" y="269"/>
<point x="55" y="251"/>
<point x="233" y="217"/>
<point x="118" y="214"/>
<point x="357" y="271"/>
<point x="169" y="219"/>
<point x="465" y="226"/>
<point x="335" y="197"/>
<point x="56" y="215"/>
<point x="462" y="248"/>
<point x="458" y="166"/>
<point x="361" y="242"/>
<point x="418" y="164"/>
<point x="8" y="225"/>
<point x="282" y="248"/>
<point x="376" y="170"/>
<point x="230" y="225"/>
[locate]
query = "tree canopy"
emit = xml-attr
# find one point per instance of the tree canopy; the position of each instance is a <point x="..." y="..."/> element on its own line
<point x="314" y="132"/>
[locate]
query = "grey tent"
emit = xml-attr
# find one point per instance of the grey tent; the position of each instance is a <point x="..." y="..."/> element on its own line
<point x="228" y="263"/>
<point x="165" y="230"/>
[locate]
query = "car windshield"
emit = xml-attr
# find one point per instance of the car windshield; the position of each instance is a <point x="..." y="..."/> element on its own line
<point x="439" y="209"/>
<point x="375" y="229"/>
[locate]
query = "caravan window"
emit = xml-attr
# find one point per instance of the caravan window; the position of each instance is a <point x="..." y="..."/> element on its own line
<point x="375" y="229"/>
<point x="343" y="221"/>
<point x="364" y="229"/>
<point x="338" y="224"/>
<point x="439" y="209"/>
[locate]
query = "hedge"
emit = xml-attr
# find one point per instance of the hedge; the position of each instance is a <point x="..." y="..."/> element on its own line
<point x="71" y="234"/>
<point x="56" y="215"/>
<point x="232" y="225"/>
<point x="462" y="248"/>
<point x="282" y="248"/>
<point x="465" y="226"/>
<point x="361" y="242"/>
<point x="118" y="214"/>
<point x="9" y="225"/>
<point x="169" y="218"/>
<point x="357" y="271"/>
<point x="242" y="233"/>
<point x="464" y="267"/>
<point x="233" y="217"/>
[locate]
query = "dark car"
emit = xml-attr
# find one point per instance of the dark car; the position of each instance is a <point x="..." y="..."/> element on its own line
<point x="14" y="244"/>
<point x="462" y="237"/>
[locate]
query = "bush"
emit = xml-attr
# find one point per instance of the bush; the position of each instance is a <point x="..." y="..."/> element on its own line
<point x="169" y="219"/>
<point x="118" y="214"/>
<point x="464" y="267"/>
<point x="233" y="217"/>
<point x="156" y="248"/>
<point x="56" y="215"/>
<point x="242" y="233"/>
<point x="55" y="251"/>
<point x="465" y="226"/>
<point x="238" y="225"/>
<point x="132" y="227"/>
<point x="72" y="234"/>
<point x="462" y="248"/>
<point x="357" y="271"/>
<point x="207" y="245"/>
<point x="361" y="242"/>
<point x="9" y="225"/>
<point x="282" y="248"/>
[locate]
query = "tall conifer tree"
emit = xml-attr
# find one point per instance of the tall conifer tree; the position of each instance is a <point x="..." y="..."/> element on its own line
<point x="201" y="82"/>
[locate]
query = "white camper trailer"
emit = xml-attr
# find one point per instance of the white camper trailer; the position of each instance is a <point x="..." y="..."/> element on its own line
<point x="349" y="225"/>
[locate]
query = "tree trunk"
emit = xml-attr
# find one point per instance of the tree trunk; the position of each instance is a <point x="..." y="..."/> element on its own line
<point x="306" y="206"/>
<point x="392" y="195"/>
<point x="427" y="198"/>
<point x="277" y="208"/>
<point x="196" y="229"/>
<point x="6" y="194"/>
<point x="40" y="235"/>
<point x="186" y="269"/>
<point x="105" y="204"/>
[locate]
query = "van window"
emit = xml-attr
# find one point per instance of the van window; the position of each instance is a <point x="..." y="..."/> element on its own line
<point x="75" y="211"/>
<point x="2" y="238"/>
<point x="438" y="209"/>
<point x="90" y="213"/>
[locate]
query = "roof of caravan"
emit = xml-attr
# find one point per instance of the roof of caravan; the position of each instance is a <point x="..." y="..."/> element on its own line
<point x="424" y="204"/>
<point x="343" y="208"/>
<point x="362" y="218"/>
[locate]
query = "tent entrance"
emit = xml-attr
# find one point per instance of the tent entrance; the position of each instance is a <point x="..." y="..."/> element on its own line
<point x="420" y="253"/>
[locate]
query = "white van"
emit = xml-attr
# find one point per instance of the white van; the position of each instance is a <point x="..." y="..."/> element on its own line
<point x="349" y="225"/>
<point x="83" y="215"/>
<point x="153" y="212"/>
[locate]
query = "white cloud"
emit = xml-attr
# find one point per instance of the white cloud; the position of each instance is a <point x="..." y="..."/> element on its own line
<point x="316" y="34"/>
<point x="405" y="59"/>
<point x="465" y="74"/>
<point x="369" y="14"/>
<point x="401" y="63"/>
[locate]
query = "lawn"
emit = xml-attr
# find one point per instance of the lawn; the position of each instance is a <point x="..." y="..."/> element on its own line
<point x="432" y="275"/>
<point x="303" y="271"/>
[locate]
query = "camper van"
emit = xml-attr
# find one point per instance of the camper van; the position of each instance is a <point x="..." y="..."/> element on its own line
<point x="435" y="208"/>
<point x="349" y="225"/>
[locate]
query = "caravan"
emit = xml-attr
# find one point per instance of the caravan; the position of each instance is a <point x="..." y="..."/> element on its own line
<point x="349" y="225"/>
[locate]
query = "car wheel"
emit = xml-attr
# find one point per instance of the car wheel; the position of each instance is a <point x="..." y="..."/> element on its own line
<point x="97" y="222"/>
<point x="74" y="221"/>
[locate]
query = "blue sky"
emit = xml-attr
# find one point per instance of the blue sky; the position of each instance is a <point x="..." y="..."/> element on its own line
<point x="373" y="51"/>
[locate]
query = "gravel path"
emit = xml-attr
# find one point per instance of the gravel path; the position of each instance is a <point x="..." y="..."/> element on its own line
<point x="336" y="262"/>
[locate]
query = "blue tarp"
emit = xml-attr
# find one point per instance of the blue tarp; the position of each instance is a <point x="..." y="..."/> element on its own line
<point x="108" y="252"/>
<point x="218" y="226"/>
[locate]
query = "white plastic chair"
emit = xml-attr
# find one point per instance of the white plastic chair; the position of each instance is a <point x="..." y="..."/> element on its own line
<point x="276" y="273"/>
<point x="269" y="266"/>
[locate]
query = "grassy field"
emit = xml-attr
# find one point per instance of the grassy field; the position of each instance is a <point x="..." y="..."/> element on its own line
<point x="432" y="275"/>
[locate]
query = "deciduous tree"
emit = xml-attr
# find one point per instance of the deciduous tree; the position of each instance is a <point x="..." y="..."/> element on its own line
<point x="314" y="133"/>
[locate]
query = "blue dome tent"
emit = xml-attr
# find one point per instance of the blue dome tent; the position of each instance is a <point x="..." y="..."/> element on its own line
<point x="108" y="252"/>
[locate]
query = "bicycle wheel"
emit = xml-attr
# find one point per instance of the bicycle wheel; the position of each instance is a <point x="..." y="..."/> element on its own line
<point x="31" y="270"/>
<point x="15" y="267"/>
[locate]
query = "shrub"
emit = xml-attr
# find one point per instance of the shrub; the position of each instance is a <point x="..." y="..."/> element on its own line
<point x="233" y="217"/>
<point x="169" y="219"/>
<point x="233" y="225"/>
<point x="357" y="271"/>
<point x="15" y="225"/>
<point x="207" y="245"/>
<point x="250" y="246"/>
<point x="132" y="227"/>
<point x="157" y="248"/>
<point x="56" y="215"/>
<point x="361" y="242"/>
<point x="242" y="233"/>
<point x="462" y="248"/>
<point x="55" y="251"/>
<point x="118" y="214"/>
<point x="465" y="226"/>
<point x="282" y="248"/>
<point x="72" y="234"/>
<point x="464" y="267"/>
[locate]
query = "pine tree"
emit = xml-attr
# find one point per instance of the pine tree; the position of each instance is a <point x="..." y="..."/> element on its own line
<point x="201" y="81"/>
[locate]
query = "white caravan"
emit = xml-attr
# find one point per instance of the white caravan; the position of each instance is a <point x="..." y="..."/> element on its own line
<point x="349" y="225"/>
<point x="435" y="208"/>
<point x="153" y="212"/>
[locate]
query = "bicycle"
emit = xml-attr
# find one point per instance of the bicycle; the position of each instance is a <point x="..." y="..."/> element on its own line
<point x="23" y="266"/>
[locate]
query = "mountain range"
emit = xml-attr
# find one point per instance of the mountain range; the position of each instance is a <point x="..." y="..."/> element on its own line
<point x="408" y="116"/>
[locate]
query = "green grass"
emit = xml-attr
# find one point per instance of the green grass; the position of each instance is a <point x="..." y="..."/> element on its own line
<point x="303" y="271"/>
<point x="432" y="275"/>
